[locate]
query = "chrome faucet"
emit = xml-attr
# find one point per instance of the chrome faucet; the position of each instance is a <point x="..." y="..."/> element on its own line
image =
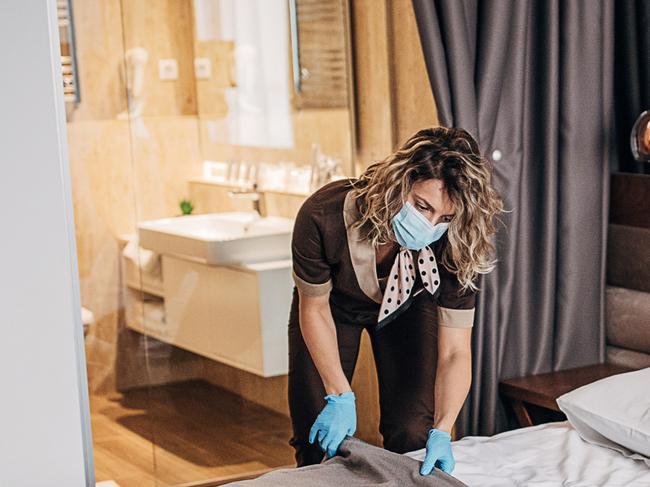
<point x="248" y="194"/>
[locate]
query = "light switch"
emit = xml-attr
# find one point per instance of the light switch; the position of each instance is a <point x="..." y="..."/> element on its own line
<point x="168" y="69"/>
<point x="202" y="68"/>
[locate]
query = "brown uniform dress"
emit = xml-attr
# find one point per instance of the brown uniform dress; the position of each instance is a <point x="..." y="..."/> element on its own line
<point x="329" y="256"/>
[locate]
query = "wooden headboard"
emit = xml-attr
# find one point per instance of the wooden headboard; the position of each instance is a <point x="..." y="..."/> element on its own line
<point x="628" y="271"/>
<point x="630" y="200"/>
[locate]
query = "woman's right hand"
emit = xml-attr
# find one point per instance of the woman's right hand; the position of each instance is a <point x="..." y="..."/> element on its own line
<point x="337" y="420"/>
<point x="339" y="417"/>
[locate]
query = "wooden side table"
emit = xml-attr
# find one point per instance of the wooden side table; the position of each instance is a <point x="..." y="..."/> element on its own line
<point x="543" y="389"/>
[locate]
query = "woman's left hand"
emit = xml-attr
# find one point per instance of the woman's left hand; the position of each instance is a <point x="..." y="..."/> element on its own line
<point x="438" y="453"/>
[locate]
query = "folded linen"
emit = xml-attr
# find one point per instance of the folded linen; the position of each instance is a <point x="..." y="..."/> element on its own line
<point x="145" y="259"/>
<point x="357" y="464"/>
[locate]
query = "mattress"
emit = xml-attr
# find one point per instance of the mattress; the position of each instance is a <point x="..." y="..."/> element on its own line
<point x="547" y="455"/>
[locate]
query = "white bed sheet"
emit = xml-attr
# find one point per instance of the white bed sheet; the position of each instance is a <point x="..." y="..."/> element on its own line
<point x="546" y="455"/>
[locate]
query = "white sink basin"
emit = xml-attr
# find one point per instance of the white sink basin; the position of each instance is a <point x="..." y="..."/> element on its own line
<point x="220" y="238"/>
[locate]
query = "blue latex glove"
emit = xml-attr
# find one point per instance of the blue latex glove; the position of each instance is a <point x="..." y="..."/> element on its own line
<point x="337" y="419"/>
<point x="438" y="453"/>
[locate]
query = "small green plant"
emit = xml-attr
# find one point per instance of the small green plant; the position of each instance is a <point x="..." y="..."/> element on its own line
<point x="186" y="206"/>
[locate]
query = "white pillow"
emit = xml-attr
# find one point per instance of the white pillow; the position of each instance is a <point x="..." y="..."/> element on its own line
<point x="613" y="412"/>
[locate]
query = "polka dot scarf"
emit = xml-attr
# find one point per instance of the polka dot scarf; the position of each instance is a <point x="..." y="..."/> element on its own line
<point x="402" y="278"/>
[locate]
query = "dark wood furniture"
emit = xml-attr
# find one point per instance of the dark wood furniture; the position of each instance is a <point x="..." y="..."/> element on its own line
<point x="630" y="200"/>
<point x="524" y="394"/>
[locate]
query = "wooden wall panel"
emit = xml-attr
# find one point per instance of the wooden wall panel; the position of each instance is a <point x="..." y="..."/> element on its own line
<point x="393" y="94"/>
<point x="414" y="107"/>
<point x="630" y="200"/>
<point x="374" y="114"/>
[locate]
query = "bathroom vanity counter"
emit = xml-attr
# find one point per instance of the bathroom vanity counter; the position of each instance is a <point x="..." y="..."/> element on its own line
<point x="234" y="314"/>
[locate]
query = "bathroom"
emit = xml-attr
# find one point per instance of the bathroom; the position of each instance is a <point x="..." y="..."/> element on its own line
<point x="177" y="109"/>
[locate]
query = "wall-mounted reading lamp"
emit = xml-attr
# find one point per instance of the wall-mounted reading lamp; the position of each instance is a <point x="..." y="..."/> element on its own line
<point x="640" y="137"/>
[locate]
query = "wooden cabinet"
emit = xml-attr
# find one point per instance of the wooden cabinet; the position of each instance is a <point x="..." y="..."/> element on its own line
<point x="235" y="315"/>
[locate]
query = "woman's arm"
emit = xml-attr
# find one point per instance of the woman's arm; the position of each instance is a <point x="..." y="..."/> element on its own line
<point x="453" y="375"/>
<point x="319" y="332"/>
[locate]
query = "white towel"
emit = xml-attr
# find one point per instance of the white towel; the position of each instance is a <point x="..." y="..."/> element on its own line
<point x="145" y="259"/>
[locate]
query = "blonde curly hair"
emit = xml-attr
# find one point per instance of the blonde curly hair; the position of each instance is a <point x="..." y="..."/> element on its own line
<point x="453" y="156"/>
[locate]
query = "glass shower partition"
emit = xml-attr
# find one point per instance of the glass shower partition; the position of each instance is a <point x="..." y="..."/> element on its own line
<point x="224" y="146"/>
<point x="98" y="98"/>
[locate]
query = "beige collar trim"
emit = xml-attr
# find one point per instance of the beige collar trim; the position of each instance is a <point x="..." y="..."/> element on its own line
<point x="362" y="253"/>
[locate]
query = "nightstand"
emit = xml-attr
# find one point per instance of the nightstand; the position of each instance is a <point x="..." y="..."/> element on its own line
<point x="533" y="397"/>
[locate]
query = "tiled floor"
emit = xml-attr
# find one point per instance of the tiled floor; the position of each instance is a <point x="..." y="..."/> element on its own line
<point x="182" y="433"/>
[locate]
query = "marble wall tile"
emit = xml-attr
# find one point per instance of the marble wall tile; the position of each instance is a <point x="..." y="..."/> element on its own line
<point x="100" y="170"/>
<point x="165" y="30"/>
<point x="100" y="57"/>
<point x="329" y="127"/>
<point x="212" y="198"/>
<point x="163" y="160"/>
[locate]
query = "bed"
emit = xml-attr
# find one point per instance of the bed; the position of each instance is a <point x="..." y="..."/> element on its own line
<point x="546" y="455"/>
<point x="551" y="454"/>
<point x="605" y="442"/>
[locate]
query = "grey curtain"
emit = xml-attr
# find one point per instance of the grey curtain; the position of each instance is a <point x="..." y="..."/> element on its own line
<point x="532" y="81"/>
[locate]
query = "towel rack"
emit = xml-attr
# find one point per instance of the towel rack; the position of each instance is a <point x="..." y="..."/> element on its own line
<point x="71" y="92"/>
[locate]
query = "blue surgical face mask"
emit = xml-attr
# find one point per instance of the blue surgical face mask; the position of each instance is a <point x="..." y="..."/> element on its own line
<point x="413" y="230"/>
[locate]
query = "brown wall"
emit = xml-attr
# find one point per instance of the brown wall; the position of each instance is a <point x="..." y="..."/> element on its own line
<point x="392" y="89"/>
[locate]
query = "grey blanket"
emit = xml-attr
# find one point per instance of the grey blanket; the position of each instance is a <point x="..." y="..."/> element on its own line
<point x="357" y="464"/>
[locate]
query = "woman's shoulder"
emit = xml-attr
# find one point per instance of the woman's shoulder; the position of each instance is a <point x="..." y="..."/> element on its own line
<point x="328" y="199"/>
<point x="320" y="218"/>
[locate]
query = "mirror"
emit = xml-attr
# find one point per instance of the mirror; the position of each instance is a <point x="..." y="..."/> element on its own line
<point x="273" y="82"/>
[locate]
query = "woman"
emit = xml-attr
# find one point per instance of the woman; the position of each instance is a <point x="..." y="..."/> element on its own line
<point x="396" y="252"/>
